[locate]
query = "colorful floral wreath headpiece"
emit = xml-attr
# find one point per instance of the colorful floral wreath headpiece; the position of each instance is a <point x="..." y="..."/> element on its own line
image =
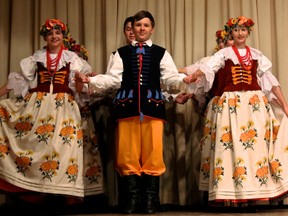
<point x="222" y="35"/>
<point x="71" y="45"/>
<point x="239" y="21"/>
<point x="53" y="24"/>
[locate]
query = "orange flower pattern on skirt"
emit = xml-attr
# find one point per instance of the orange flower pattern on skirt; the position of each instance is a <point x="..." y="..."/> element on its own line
<point x="226" y="138"/>
<point x="70" y="99"/>
<point x="49" y="166"/>
<point x="239" y="173"/>
<point x="72" y="171"/>
<point x="68" y="131"/>
<point x="209" y="132"/>
<point x="52" y="146"/>
<point x="243" y="148"/>
<point x="276" y="170"/>
<point x="59" y="99"/>
<point x="79" y="136"/>
<point x="218" y="171"/>
<point x="262" y="172"/>
<point x="271" y="136"/>
<point x="205" y="168"/>
<point x="23" y="126"/>
<point x="233" y="103"/>
<point x="218" y="103"/>
<point x="255" y="102"/>
<point x="93" y="173"/>
<point x="4" y="115"/>
<point x="23" y="161"/>
<point x="266" y="102"/>
<point x="40" y="96"/>
<point x="248" y="136"/>
<point x="4" y="147"/>
<point x="27" y="98"/>
<point x="45" y="130"/>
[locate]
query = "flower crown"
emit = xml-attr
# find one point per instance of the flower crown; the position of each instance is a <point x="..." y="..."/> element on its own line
<point x="239" y="21"/>
<point x="53" y="24"/>
<point x="222" y="35"/>
<point x="71" y="45"/>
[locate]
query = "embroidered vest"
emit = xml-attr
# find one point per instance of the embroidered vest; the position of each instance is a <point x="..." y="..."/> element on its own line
<point x="235" y="78"/>
<point x="140" y="93"/>
<point x="60" y="80"/>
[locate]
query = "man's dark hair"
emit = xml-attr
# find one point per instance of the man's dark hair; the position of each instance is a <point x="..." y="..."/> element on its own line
<point x="143" y="14"/>
<point x="127" y="20"/>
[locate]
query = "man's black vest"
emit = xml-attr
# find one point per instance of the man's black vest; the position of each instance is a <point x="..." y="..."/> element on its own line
<point x="140" y="93"/>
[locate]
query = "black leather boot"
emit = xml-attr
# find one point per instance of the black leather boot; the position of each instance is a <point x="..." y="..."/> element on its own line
<point x="158" y="206"/>
<point x="151" y="193"/>
<point x="132" y="185"/>
<point x="122" y="191"/>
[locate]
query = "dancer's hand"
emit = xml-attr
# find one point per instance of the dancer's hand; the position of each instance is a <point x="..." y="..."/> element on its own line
<point x="81" y="78"/>
<point x="182" y="98"/>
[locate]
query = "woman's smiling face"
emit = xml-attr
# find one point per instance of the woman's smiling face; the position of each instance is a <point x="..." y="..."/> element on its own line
<point x="240" y="34"/>
<point x="54" y="38"/>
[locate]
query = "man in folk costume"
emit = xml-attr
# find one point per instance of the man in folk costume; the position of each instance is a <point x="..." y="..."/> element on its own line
<point x="137" y="71"/>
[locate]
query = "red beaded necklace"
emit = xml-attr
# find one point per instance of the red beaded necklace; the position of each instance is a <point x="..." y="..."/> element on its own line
<point x="246" y="60"/>
<point x="53" y="63"/>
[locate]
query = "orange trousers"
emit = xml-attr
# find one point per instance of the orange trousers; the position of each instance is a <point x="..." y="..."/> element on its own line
<point x="139" y="147"/>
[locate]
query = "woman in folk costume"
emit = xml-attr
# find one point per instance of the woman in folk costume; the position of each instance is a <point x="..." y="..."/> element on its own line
<point x="223" y="39"/>
<point x="93" y="181"/>
<point x="92" y="165"/>
<point x="41" y="138"/>
<point x="244" y="148"/>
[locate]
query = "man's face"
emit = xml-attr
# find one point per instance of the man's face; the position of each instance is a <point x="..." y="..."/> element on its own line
<point x="143" y="29"/>
<point x="129" y="34"/>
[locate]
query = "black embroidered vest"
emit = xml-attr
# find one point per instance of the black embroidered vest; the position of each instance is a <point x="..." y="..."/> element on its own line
<point x="140" y="93"/>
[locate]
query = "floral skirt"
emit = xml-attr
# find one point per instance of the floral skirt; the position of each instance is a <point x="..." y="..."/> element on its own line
<point x="45" y="146"/>
<point x="244" y="150"/>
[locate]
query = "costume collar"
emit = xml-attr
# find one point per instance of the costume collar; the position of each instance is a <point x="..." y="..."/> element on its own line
<point x="148" y="42"/>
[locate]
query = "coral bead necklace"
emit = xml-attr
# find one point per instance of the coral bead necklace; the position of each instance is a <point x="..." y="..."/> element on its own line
<point x="52" y="64"/>
<point x="246" y="60"/>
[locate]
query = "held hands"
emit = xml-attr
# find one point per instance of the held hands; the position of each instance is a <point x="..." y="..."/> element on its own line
<point x="192" y="78"/>
<point x="182" y="98"/>
<point x="182" y="70"/>
<point x="80" y="79"/>
<point x="91" y="74"/>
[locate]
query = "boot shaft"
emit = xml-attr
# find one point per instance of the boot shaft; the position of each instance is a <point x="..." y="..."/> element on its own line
<point x="151" y="193"/>
<point x="132" y="186"/>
